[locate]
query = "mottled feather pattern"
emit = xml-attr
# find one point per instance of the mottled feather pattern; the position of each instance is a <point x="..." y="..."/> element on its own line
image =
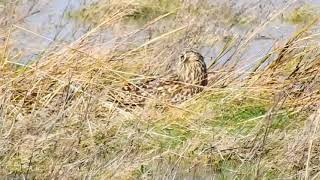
<point x="189" y="79"/>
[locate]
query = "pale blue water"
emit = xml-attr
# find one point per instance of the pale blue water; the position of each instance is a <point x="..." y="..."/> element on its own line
<point x="51" y="23"/>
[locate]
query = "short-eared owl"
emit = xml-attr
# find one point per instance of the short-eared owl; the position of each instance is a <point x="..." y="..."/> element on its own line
<point x="189" y="78"/>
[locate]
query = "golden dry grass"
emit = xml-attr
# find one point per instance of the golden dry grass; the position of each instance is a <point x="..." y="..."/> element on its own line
<point x="57" y="120"/>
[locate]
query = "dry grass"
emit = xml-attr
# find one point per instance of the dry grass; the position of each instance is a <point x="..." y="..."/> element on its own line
<point x="57" y="120"/>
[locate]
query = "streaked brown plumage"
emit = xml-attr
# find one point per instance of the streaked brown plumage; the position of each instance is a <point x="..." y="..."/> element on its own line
<point x="189" y="78"/>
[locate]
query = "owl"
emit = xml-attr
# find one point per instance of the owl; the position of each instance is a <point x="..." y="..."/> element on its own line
<point x="187" y="79"/>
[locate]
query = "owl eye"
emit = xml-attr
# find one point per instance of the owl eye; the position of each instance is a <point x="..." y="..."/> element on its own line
<point x="182" y="57"/>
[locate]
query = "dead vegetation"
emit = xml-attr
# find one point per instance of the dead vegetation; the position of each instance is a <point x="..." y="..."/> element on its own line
<point x="57" y="120"/>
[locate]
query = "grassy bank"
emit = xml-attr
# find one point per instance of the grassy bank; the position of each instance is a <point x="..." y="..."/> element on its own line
<point x="57" y="120"/>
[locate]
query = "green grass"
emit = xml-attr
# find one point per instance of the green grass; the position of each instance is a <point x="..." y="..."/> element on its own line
<point x="141" y="10"/>
<point x="224" y="132"/>
<point x="236" y="115"/>
<point x="303" y="14"/>
<point x="148" y="10"/>
<point x="171" y="135"/>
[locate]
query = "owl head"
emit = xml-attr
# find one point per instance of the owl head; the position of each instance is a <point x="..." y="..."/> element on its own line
<point x="191" y="56"/>
<point x="192" y="68"/>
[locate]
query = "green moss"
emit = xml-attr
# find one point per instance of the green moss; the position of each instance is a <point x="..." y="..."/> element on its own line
<point x="303" y="14"/>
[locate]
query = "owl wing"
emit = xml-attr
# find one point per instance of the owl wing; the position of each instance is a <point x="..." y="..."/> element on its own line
<point x="151" y="88"/>
<point x="166" y="89"/>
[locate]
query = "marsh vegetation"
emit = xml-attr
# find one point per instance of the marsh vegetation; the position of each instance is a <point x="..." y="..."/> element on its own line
<point x="257" y="119"/>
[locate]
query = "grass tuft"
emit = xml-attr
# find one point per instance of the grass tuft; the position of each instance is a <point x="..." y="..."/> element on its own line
<point x="303" y="14"/>
<point x="58" y="120"/>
